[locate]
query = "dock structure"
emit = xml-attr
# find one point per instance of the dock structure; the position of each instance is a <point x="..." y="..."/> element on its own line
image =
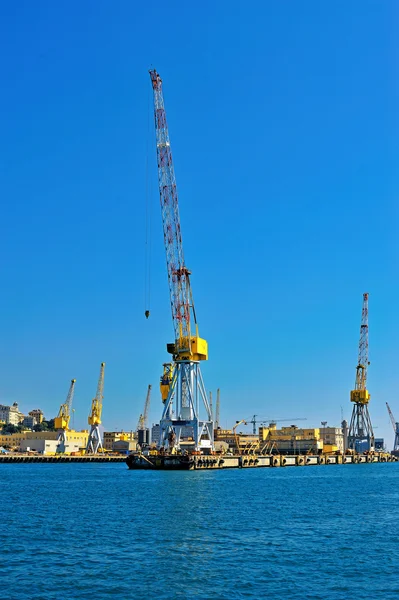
<point x="59" y="458"/>
<point x="190" y="463"/>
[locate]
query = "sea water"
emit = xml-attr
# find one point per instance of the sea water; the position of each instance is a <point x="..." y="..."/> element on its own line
<point x="99" y="531"/>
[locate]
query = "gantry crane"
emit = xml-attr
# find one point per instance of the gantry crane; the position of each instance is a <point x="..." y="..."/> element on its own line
<point x="143" y="419"/>
<point x="94" y="442"/>
<point x="360" y="428"/>
<point x="254" y="421"/>
<point x="395" y="426"/>
<point x="186" y="404"/>
<point x="61" y="421"/>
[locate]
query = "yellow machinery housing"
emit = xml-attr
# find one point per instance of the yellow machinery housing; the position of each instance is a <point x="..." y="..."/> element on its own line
<point x="360" y="396"/>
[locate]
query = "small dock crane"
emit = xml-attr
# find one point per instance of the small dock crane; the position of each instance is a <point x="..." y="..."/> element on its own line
<point x="143" y="419"/>
<point x="61" y="421"/>
<point x="94" y="441"/>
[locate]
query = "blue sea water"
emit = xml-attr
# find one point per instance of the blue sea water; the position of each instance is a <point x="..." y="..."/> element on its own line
<point x="99" y="531"/>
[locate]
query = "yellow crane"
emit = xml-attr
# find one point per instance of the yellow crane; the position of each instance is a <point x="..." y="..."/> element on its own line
<point x="94" y="442"/>
<point x="61" y="421"/>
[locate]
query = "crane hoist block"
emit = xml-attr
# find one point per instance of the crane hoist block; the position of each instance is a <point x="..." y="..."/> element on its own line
<point x="360" y="396"/>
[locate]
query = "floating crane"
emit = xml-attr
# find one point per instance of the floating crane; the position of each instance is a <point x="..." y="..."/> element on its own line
<point x="395" y="426"/>
<point x="94" y="442"/>
<point x="186" y="398"/>
<point x="254" y="421"/>
<point x="143" y="419"/>
<point x="61" y="421"/>
<point x="360" y="428"/>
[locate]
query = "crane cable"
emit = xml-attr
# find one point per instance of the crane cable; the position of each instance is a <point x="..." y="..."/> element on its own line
<point x="148" y="223"/>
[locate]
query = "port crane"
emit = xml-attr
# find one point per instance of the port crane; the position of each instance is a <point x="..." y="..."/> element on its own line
<point x="254" y="421"/>
<point x="143" y="419"/>
<point x="61" y="421"/>
<point x="217" y="416"/>
<point x="94" y="442"/>
<point x="235" y="433"/>
<point x="395" y="425"/>
<point x="360" y="428"/>
<point x="186" y="398"/>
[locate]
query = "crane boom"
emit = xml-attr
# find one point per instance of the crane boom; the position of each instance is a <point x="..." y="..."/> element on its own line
<point x="360" y="393"/>
<point x="64" y="414"/>
<point x="217" y="416"/>
<point x="143" y="419"/>
<point x="181" y="297"/>
<point x="391" y="417"/>
<point x="395" y="425"/>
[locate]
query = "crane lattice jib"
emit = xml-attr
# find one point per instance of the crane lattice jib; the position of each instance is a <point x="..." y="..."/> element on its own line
<point x="178" y="274"/>
<point x="391" y="417"/>
<point x="64" y="414"/>
<point x="97" y="402"/>
<point x="147" y="407"/>
<point x="363" y="357"/>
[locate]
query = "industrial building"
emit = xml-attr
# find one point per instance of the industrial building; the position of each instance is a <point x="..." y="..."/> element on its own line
<point x="333" y="439"/>
<point x="291" y="440"/>
<point x="110" y="437"/>
<point x="37" y="440"/>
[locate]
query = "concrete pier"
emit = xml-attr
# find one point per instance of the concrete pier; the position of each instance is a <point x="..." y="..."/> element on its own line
<point x="28" y="458"/>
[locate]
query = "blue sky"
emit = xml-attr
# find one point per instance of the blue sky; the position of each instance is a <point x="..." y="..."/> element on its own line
<point x="284" y="129"/>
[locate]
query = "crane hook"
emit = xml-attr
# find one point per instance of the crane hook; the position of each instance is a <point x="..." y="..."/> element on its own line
<point x="147" y="314"/>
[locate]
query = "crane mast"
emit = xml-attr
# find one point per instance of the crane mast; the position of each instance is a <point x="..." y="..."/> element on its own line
<point x="395" y="426"/>
<point x="61" y="422"/>
<point x="360" y="428"/>
<point x="94" y="441"/>
<point x="186" y="396"/>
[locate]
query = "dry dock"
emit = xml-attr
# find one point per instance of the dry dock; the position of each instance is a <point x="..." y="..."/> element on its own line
<point x="25" y="458"/>
<point x="189" y="463"/>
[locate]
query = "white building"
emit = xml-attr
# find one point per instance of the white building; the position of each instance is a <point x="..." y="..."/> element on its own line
<point x="332" y="436"/>
<point x="10" y="414"/>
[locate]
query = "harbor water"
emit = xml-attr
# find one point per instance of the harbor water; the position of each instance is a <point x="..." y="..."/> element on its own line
<point x="83" y="531"/>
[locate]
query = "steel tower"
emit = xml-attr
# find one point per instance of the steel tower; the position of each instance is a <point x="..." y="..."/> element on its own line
<point x="186" y="404"/>
<point x="94" y="441"/>
<point x="360" y="428"/>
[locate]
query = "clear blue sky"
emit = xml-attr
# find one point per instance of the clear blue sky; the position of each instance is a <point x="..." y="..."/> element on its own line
<point x="284" y="130"/>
